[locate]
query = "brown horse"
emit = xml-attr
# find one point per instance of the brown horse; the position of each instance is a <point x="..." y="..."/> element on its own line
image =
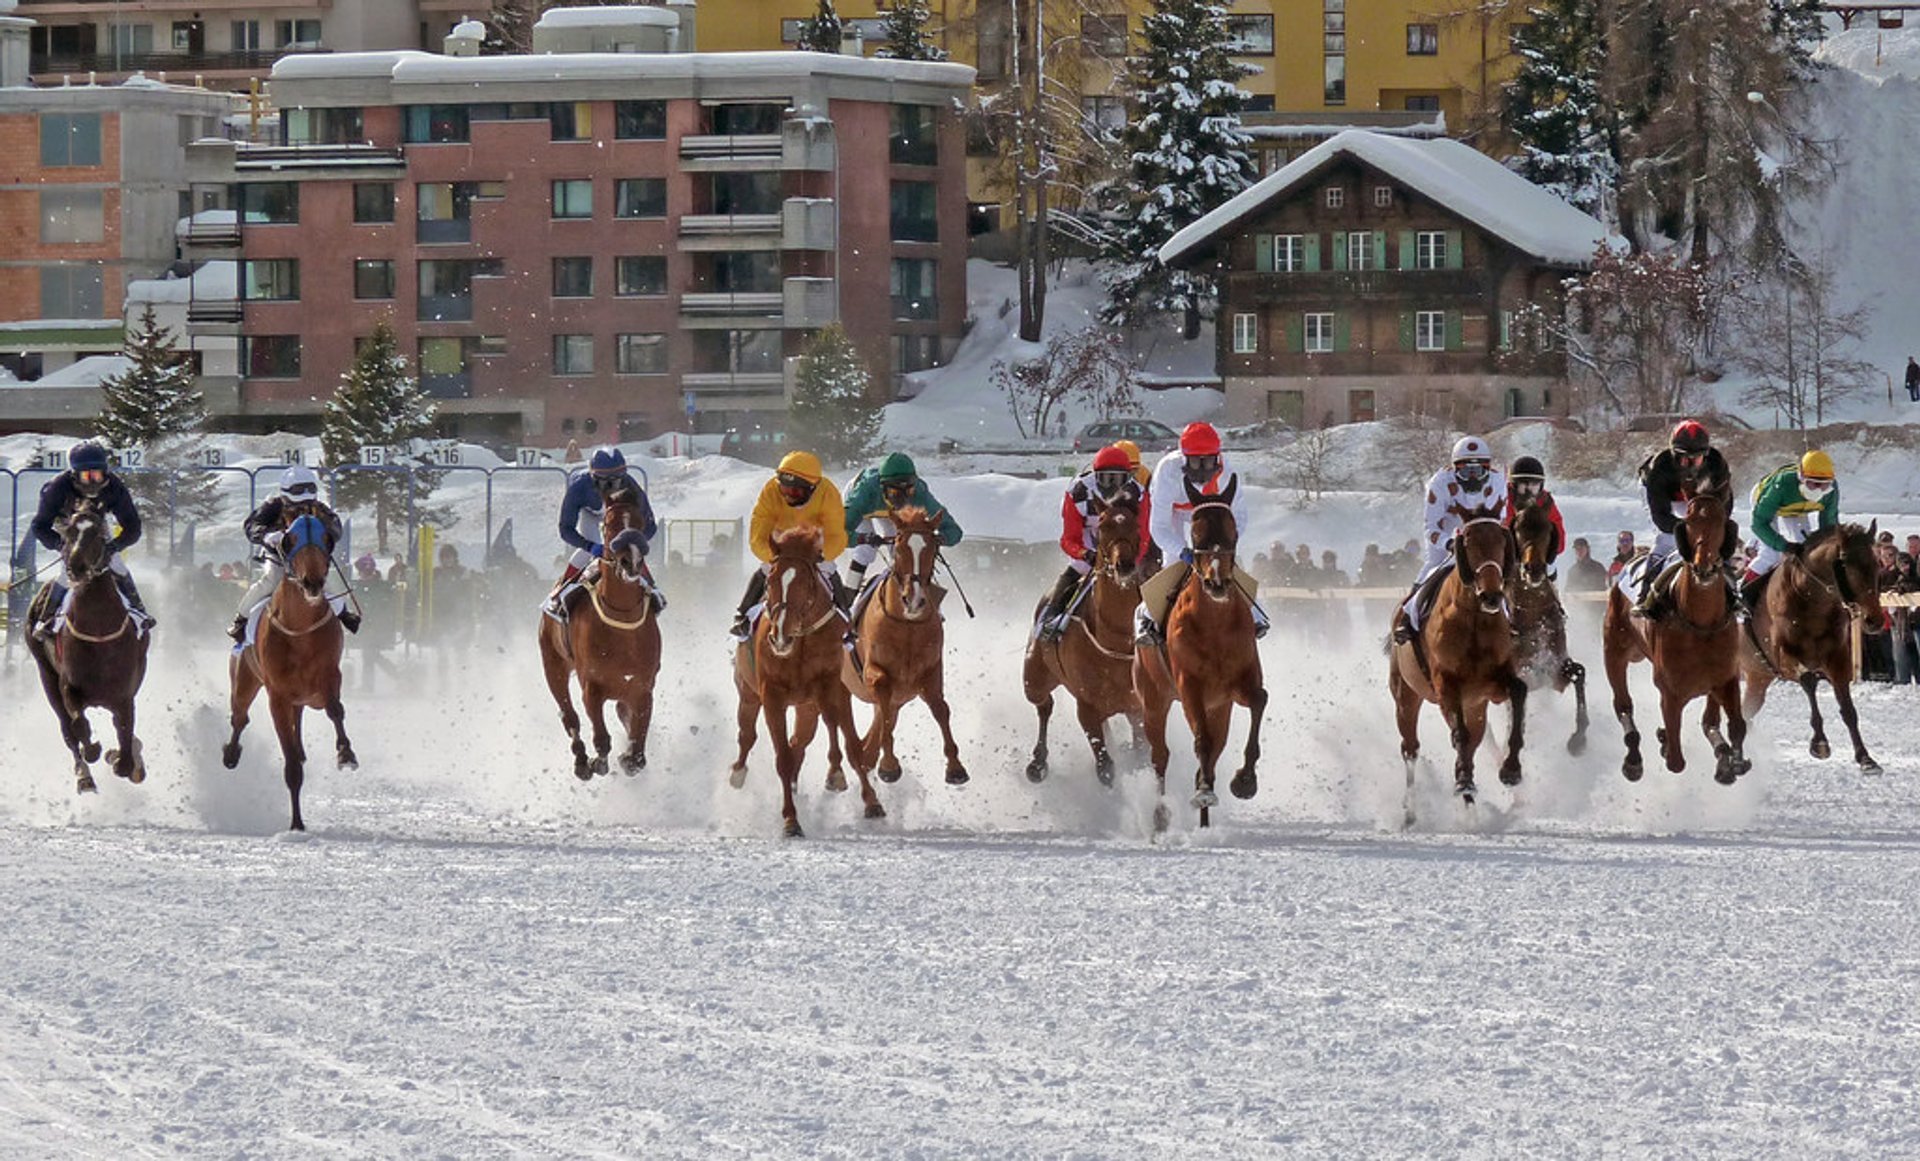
<point x="1540" y="622"/>
<point x="1094" y="657"/>
<point x="1211" y="661"/>
<point x="610" y="642"/>
<point x="99" y="656"/>
<point x="901" y="643"/>
<point x="793" y="662"/>
<point x="1463" y="659"/>
<point x="1694" y="651"/>
<point x="1801" y="630"/>
<point x="295" y="656"/>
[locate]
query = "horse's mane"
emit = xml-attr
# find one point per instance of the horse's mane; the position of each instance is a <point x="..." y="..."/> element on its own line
<point x="1842" y="532"/>
<point x="797" y="539"/>
<point x="624" y="494"/>
<point x="915" y="515"/>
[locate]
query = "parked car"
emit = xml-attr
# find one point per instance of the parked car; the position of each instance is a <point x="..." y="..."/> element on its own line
<point x="756" y="445"/>
<point x="1150" y="434"/>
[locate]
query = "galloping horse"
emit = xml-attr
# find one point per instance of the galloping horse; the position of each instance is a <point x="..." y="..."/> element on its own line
<point x="1211" y="661"/>
<point x="98" y="658"/>
<point x="610" y="642"/>
<point x="793" y="662"/>
<point x="1694" y="651"/>
<point x="1463" y="658"/>
<point x="1540" y="622"/>
<point x="901" y="642"/>
<point x="295" y="656"/>
<point x="1094" y="657"/>
<point x="1801" y="630"/>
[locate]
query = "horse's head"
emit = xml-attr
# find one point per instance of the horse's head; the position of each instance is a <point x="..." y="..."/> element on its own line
<point x="1213" y="537"/>
<point x="85" y="543"/>
<point x="623" y="531"/>
<point x="1702" y="534"/>
<point x="308" y="549"/>
<point x="797" y="598"/>
<point x="1533" y="536"/>
<point x="1116" y="538"/>
<point x="1484" y="553"/>
<point x="916" y="548"/>
<point x="1845" y="553"/>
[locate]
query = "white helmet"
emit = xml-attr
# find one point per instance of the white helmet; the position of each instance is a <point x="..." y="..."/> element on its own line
<point x="1471" y="447"/>
<point x="299" y="483"/>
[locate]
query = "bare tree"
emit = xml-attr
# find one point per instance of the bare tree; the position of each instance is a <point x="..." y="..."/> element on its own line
<point x="1796" y="339"/>
<point x="1311" y="468"/>
<point x="1088" y="366"/>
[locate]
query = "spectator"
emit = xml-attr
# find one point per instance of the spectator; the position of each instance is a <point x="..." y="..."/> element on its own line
<point x="1913" y="548"/>
<point x="1330" y="574"/>
<point x="1587" y="575"/>
<point x="1623" y="552"/>
<point x="1884" y="656"/>
<point x="1305" y="574"/>
<point x="1913" y="379"/>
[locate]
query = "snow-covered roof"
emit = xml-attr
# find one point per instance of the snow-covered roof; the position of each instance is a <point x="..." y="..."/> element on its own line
<point x="85" y="372"/>
<point x="218" y="280"/>
<point x="1458" y="177"/>
<point x="606" y="17"/>
<point x="411" y="67"/>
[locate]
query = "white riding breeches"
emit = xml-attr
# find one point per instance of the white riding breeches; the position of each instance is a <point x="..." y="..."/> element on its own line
<point x="1794" y="529"/>
<point x="270" y="578"/>
<point x="863" y="554"/>
<point x="588" y="526"/>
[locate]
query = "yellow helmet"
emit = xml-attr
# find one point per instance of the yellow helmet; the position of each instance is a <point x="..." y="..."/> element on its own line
<point x="1132" y="449"/>
<point x="804" y="464"/>
<point x="1817" y="465"/>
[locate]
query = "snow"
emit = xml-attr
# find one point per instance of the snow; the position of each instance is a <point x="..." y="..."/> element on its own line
<point x="217" y="280"/>
<point x="605" y="17"/>
<point x="430" y="69"/>
<point x="1457" y="176"/>
<point x="184" y="226"/>
<point x="87" y="372"/>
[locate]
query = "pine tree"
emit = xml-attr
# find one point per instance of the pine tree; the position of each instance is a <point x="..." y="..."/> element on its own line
<point x="832" y="413"/>
<point x="155" y="408"/>
<point x="905" y="26"/>
<point x="1568" y="136"/>
<point x="378" y="404"/>
<point x="822" y="31"/>
<point x="1187" y="153"/>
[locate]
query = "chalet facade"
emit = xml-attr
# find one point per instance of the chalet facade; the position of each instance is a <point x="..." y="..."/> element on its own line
<point x="1378" y="276"/>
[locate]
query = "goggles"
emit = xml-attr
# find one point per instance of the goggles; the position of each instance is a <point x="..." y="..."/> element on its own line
<point x="304" y="491"/>
<point x="1471" y="471"/>
<point x="1690" y="460"/>
<point x="93" y="477"/>
<point x="1201" y="467"/>
<point x="1814" y="485"/>
<point x="795" y="488"/>
<point x="897" y="491"/>
<point x="1108" y="483"/>
<point x="1529" y="489"/>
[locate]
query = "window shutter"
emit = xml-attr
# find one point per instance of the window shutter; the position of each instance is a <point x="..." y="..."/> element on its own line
<point x="1506" y="330"/>
<point x="1454" y="339"/>
<point x="1263" y="253"/>
<point x="1406" y="254"/>
<point x="1453" y="250"/>
<point x="1296" y="332"/>
<point x="1339" y="251"/>
<point x="1378" y="259"/>
<point x="1406" y="330"/>
<point x="1342" y="330"/>
<point x="1313" y="252"/>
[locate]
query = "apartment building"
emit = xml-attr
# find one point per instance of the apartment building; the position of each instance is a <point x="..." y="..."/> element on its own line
<point x="582" y="244"/>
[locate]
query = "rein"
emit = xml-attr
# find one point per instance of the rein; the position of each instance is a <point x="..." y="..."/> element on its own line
<point x="600" y="611"/>
<point x="1116" y="654"/>
<point x="126" y="623"/>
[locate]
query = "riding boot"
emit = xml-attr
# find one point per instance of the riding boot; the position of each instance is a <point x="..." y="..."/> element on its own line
<point x="1652" y="604"/>
<point x="1052" y="624"/>
<point x="132" y="594"/>
<point x="1403" y="630"/>
<point x="756" y="588"/>
<point x="552" y="605"/>
<point x="1147" y="631"/>
<point x="238" y="630"/>
<point x="1746" y="595"/>
<point x="349" y="620"/>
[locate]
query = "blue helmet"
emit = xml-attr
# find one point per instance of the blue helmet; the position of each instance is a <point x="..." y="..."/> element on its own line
<point x="87" y="456"/>
<point x="607" y="461"/>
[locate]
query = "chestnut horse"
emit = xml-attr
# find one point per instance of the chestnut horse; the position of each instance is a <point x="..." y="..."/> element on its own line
<point x="1540" y="622"/>
<point x="1694" y="650"/>
<point x="1211" y="661"/>
<point x="1802" y="629"/>
<point x="793" y="662"/>
<point x="610" y="642"/>
<point x="1463" y="659"/>
<point x="901" y="642"/>
<point x="295" y="656"/>
<point x="99" y="656"/>
<point x="1094" y="657"/>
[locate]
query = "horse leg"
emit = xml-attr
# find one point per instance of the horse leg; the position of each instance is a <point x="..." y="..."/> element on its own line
<point x="637" y="716"/>
<point x="343" y="756"/>
<point x="1671" y="705"/>
<point x="806" y="723"/>
<point x="1632" y="766"/>
<point x="1154" y="703"/>
<point x="246" y="687"/>
<point x="839" y="714"/>
<point x="886" y="712"/>
<point x="745" y="715"/>
<point x="1843" y="693"/>
<point x="1574" y="673"/>
<point x="1246" y="783"/>
<point x="1210" y="723"/>
<point x="1516" y="735"/>
<point x="1473" y="730"/>
<point x="1095" y="728"/>
<point x="69" y="733"/>
<point x="1038" y="684"/>
<point x="1736" y="727"/>
<point x="596" y="703"/>
<point x="286" y="723"/>
<point x="1819" y="748"/>
<point x="125" y="757"/>
<point x="1406" y="714"/>
<point x="557" y="672"/>
<point x="786" y="763"/>
<point x="936" y="700"/>
<point x="1454" y="712"/>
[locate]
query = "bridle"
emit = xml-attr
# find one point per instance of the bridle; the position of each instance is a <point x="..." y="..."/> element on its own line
<point x="913" y="546"/>
<point x="780" y="639"/>
<point x="1499" y="568"/>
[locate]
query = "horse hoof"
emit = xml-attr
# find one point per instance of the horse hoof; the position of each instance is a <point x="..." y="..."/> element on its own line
<point x="1509" y="777"/>
<point x="1576" y="745"/>
<point x="599" y="764"/>
<point x="84" y="785"/>
<point x="1466" y="790"/>
<point x="1037" y="770"/>
<point x="632" y="764"/>
<point x="1871" y="767"/>
<point x="230" y="755"/>
<point x="1162" y="818"/>
<point x="1633" y="769"/>
<point x="1103" y="771"/>
<point x="346" y="761"/>
<point x="875" y="810"/>
<point x="737" y="777"/>
<point x="1245" y="784"/>
<point x="1724" y="774"/>
<point x="836" y="780"/>
<point x="957" y="776"/>
<point x="1205" y="798"/>
<point x="581" y="771"/>
<point x="889" y="773"/>
<point x="792" y="829"/>
<point x="1820" y="749"/>
<point x="91" y="751"/>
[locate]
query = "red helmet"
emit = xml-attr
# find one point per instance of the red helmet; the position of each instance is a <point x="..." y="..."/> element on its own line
<point x="1111" y="459"/>
<point x="1689" y="435"/>
<point x="1199" y="439"/>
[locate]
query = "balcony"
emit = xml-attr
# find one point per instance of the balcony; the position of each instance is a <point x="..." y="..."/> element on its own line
<point x="1350" y="285"/>
<point x="744" y="151"/>
<point x="443" y="308"/>
<point x="444" y="231"/>
<point x="448" y="385"/>
<point x="809" y="302"/>
<point x="807" y="224"/>
<point x="205" y="238"/>
<point x="77" y="63"/>
<point x="735" y="382"/>
<point x="727" y="306"/>
<point x="215" y="311"/>
<point x="729" y="231"/>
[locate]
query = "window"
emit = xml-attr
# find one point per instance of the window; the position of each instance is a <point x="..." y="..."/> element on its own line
<point x="746" y="271"/>
<point x="640" y="354"/>
<point x="1382" y="196"/>
<point x="322" y="126"/>
<point x="914" y="296"/>
<point x="435" y="124"/>
<point x="573" y="199"/>
<point x="1246" y="334"/>
<point x="446" y="288"/>
<point x="130" y="39"/>
<point x="1430" y="250"/>
<point x="69" y="139"/>
<point x="445" y="365"/>
<point x="271" y="356"/>
<point x="1360" y="255"/>
<point x="1423" y="39"/>
<point x="746" y="120"/>
<point x="573" y="354"/>
<point x="1336" y="197"/>
<point x="573" y="278"/>
<point x="372" y="278"/>
<point x="1250" y="35"/>
<point x="1104" y="115"/>
<point x="571" y="120"/>
<point x="745" y="193"/>
<point x="1336" y="80"/>
<point x="245" y="36"/>
<point x="1360" y="406"/>
<point x="287" y="32"/>
<point x="1104" y="34"/>
<point x="912" y="140"/>
<point x="1430" y="330"/>
<point x="1423" y="103"/>
<point x="639" y="197"/>
<point x="753" y="352"/>
<point x="1290" y="407"/>
<point x="915" y="353"/>
<point x="72" y="291"/>
<point x="640" y="120"/>
<point x="1285" y="253"/>
<point x="72" y="215"/>
<point x="270" y="203"/>
<point x="1319" y="333"/>
<point x="270" y="280"/>
<point x="637" y="276"/>
<point x="373" y="201"/>
<point x="444" y="210"/>
<point x="912" y="212"/>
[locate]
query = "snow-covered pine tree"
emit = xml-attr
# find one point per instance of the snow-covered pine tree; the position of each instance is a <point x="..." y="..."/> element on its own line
<point x="822" y="31"/>
<point x="1568" y="135"/>
<point x="832" y="411"/>
<point x="1186" y="151"/>
<point x="905" y="26"/>
<point x="378" y="404"/>
<point x="155" y="407"/>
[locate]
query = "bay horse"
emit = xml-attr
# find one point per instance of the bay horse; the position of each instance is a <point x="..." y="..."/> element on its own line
<point x="793" y="661"/>
<point x="1540" y="622"/>
<point x="1694" y="651"/>
<point x="610" y="643"/>
<point x="98" y="659"/>
<point x="900" y="644"/>
<point x="1802" y="629"/>
<point x="1464" y="658"/>
<point x="295" y="657"/>
<point x="1211" y="661"/>
<point x="1093" y="659"/>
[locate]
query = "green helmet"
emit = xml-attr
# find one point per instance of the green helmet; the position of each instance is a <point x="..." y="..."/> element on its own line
<point x="897" y="467"/>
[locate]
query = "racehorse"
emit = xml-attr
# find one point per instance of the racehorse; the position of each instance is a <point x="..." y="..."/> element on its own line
<point x="99" y="656"/>
<point x="295" y="656"/>
<point x="1211" y="661"/>
<point x="793" y="662"/>
<point x="1094" y="657"/>
<point x="900" y="644"/>
<point x="1463" y="659"/>
<point x="1540" y="622"/>
<point x="610" y="641"/>
<point x="1801" y="630"/>
<point x="1694" y="651"/>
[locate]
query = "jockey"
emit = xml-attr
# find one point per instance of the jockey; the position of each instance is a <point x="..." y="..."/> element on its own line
<point x="798" y="496"/>
<point x="299" y="496"/>
<point x="875" y="493"/>
<point x="1688" y="466"/>
<point x="1527" y="488"/>
<point x="1197" y="462"/>
<point x="1109" y="479"/>
<point x="1788" y="506"/>
<point x="580" y="515"/>
<point x="88" y="477"/>
<point x="1469" y="485"/>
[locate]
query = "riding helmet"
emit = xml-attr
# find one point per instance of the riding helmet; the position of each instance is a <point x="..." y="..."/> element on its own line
<point x="607" y="461"/>
<point x="87" y="456"/>
<point x="1133" y="452"/>
<point x="1816" y="465"/>
<point x="1111" y="472"/>
<point x="299" y="483"/>
<point x="1471" y="448"/>
<point x="1199" y="439"/>
<point x="897" y="468"/>
<point x="1527" y="468"/>
<point x="1689" y="435"/>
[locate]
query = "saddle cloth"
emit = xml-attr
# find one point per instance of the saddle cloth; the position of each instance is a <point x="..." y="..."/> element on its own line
<point x="140" y="622"/>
